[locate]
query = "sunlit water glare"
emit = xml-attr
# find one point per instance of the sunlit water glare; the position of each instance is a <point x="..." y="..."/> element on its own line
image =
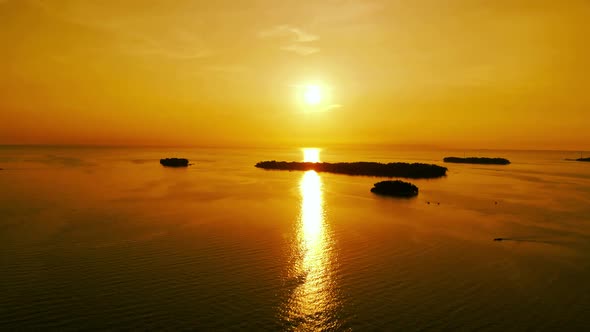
<point x="313" y="303"/>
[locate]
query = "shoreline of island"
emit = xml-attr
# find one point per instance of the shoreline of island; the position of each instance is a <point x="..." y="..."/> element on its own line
<point x="477" y="160"/>
<point x="402" y="170"/>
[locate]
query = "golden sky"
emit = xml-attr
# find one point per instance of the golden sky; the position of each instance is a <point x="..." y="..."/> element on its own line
<point x="457" y="73"/>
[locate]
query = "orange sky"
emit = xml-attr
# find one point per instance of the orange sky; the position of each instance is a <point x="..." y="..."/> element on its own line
<point x="458" y="73"/>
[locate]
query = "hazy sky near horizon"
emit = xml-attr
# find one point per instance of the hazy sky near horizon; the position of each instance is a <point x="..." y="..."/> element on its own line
<point x="457" y="73"/>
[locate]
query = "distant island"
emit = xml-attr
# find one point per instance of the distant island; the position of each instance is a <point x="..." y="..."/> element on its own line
<point x="583" y="159"/>
<point x="174" y="162"/>
<point x="404" y="170"/>
<point x="395" y="188"/>
<point x="477" y="160"/>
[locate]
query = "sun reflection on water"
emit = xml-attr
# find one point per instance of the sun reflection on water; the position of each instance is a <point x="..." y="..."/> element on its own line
<point x="312" y="303"/>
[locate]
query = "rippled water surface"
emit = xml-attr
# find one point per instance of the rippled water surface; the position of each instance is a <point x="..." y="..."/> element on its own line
<point x="107" y="239"/>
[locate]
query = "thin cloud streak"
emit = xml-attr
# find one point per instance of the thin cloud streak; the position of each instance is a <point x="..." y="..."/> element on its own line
<point x="298" y="39"/>
<point x="178" y="44"/>
<point x="300" y="49"/>
<point x="285" y="30"/>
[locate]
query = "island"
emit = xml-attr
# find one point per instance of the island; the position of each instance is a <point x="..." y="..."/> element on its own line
<point x="403" y="170"/>
<point x="583" y="159"/>
<point x="395" y="188"/>
<point x="174" y="162"/>
<point x="477" y="160"/>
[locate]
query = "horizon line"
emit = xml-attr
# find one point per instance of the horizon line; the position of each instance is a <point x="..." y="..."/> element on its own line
<point x="290" y="146"/>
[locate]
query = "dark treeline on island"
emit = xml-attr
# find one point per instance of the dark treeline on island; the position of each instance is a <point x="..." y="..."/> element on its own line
<point x="404" y="170"/>
<point x="174" y="162"/>
<point x="477" y="160"/>
<point x="395" y="188"/>
<point x="583" y="159"/>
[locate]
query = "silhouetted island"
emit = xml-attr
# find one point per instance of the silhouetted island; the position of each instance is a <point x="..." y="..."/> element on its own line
<point x="583" y="159"/>
<point x="395" y="188"/>
<point x="174" y="162"/>
<point x="477" y="160"/>
<point x="404" y="170"/>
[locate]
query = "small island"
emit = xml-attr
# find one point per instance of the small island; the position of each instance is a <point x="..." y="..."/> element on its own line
<point x="174" y="162"/>
<point x="395" y="188"/>
<point x="403" y="170"/>
<point x="477" y="160"/>
<point x="583" y="159"/>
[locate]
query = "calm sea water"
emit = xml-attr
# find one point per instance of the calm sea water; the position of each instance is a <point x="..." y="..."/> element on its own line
<point x="107" y="239"/>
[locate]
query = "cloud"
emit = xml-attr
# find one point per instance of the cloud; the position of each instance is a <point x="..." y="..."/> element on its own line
<point x="351" y="12"/>
<point x="327" y="108"/>
<point x="321" y="108"/>
<point x="288" y="31"/>
<point x="229" y="69"/>
<point x="176" y="47"/>
<point x="331" y="107"/>
<point x="297" y="37"/>
<point x="300" y="49"/>
<point x="146" y="35"/>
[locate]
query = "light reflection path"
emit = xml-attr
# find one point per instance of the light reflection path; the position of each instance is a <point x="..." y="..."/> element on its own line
<point x="312" y="304"/>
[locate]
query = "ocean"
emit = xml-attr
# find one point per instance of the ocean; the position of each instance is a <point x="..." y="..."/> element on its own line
<point x="108" y="239"/>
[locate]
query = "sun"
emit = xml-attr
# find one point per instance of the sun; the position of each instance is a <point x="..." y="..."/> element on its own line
<point x="311" y="155"/>
<point x="312" y="95"/>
